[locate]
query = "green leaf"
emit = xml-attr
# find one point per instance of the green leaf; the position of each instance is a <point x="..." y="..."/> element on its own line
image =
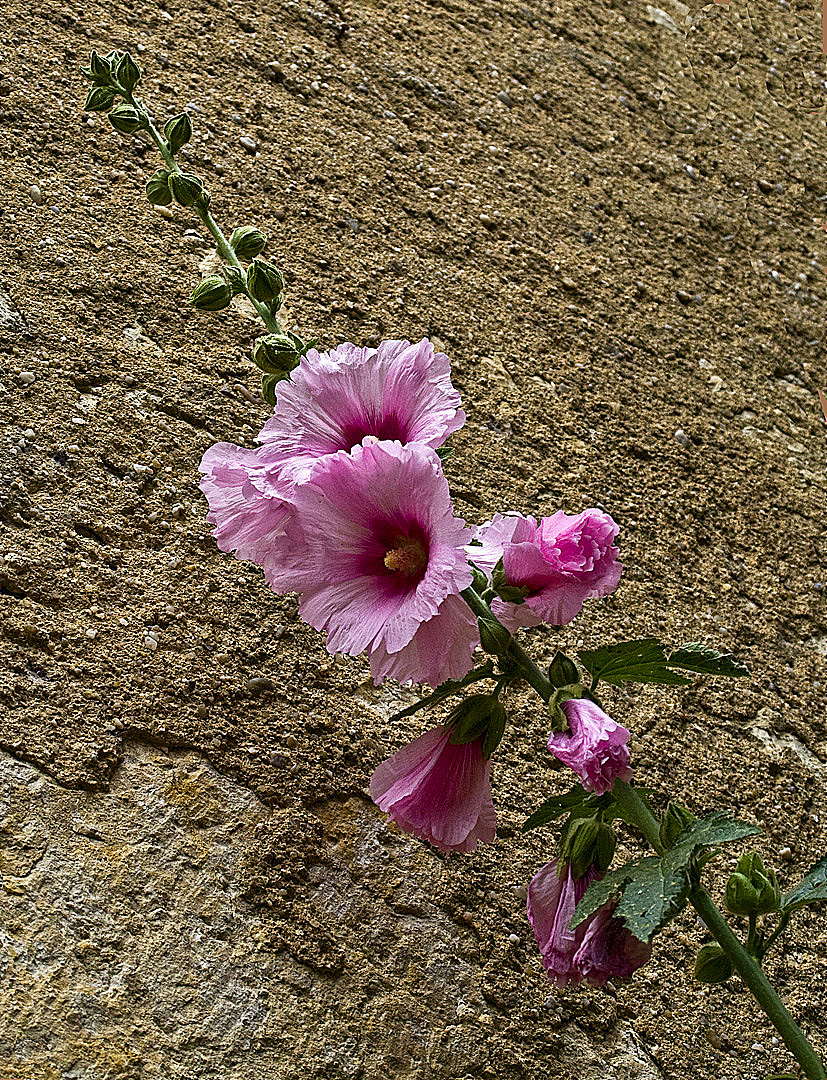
<point x="651" y="892"/>
<point x="555" y="806"/>
<point x="707" y="661"/>
<point x="712" y="831"/>
<point x="811" y="889"/>
<point x="641" y="661"/>
<point x="445" y="690"/>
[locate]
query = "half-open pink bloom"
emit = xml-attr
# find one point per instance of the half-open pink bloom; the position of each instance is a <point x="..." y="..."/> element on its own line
<point x="382" y="559"/>
<point x="250" y="507"/>
<point x="438" y="791"/>
<point x="552" y="898"/>
<point x="331" y="401"/>
<point x="599" y="949"/>
<point x="596" y="747"/>
<point x="608" y="950"/>
<point x="562" y="561"/>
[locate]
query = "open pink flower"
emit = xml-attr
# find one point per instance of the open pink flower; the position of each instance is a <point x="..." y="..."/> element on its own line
<point x="552" y="898"/>
<point x="595" y="747"/>
<point x="331" y="401"/>
<point x="562" y="561"/>
<point x="599" y="949"/>
<point x="381" y="560"/>
<point x="438" y="791"/>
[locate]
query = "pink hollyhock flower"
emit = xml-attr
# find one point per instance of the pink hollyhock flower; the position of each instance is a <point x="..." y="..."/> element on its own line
<point x="608" y="950"/>
<point x="250" y="507"/>
<point x="380" y="560"/>
<point x="552" y="898"/>
<point x="331" y="401"/>
<point x="599" y="949"/>
<point x="438" y="791"/>
<point x="595" y="747"/>
<point x="562" y="561"/>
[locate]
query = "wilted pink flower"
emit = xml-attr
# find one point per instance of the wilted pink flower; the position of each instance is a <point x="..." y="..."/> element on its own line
<point x="381" y="560"/>
<point x="599" y="949"/>
<point x="331" y="401"/>
<point x="552" y="898"/>
<point x="438" y="791"/>
<point x="608" y="950"/>
<point x="250" y="507"/>
<point x="595" y="747"/>
<point x="562" y="561"/>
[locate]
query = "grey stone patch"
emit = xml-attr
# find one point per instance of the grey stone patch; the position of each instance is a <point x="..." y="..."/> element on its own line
<point x="11" y="320"/>
<point x="139" y="341"/>
<point x="623" y="1059"/>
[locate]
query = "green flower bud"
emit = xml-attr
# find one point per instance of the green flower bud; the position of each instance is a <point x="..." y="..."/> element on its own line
<point x="99" y="99"/>
<point x="186" y="188"/>
<point x="211" y="294"/>
<point x="178" y="132"/>
<point x="275" y="354"/>
<point x="157" y="188"/>
<point x="236" y="279"/>
<point x="127" y="72"/>
<point x="478" y="716"/>
<point x="264" y="281"/>
<point x="752" y="890"/>
<point x="563" y="671"/>
<point x="494" y="638"/>
<point x="741" y="897"/>
<point x="126" y="120"/>
<point x="674" y="821"/>
<point x="712" y="965"/>
<point x="587" y="842"/>
<point x="247" y="242"/>
<point x="495" y="731"/>
<point x="99" y="67"/>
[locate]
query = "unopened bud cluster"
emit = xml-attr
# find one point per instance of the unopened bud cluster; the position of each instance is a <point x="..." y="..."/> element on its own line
<point x="752" y="890"/>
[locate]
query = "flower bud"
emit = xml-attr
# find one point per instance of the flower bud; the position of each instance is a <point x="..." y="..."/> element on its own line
<point x="211" y="294"/>
<point x="752" y="890"/>
<point x="712" y="965"/>
<point x="236" y="279"/>
<point x="563" y="671"/>
<point x="264" y="281"/>
<point x="247" y="242"/>
<point x="99" y="67"/>
<point x="674" y="821"/>
<point x="275" y="354"/>
<point x="586" y="843"/>
<point x="127" y="72"/>
<point x="494" y="638"/>
<point x="186" y="188"/>
<point x="126" y="120"/>
<point x="157" y="188"/>
<point x="99" y="99"/>
<point x="474" y="718"/>
<point x="178" y="132"/>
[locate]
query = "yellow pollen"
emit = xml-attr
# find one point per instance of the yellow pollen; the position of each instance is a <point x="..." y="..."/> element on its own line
<point x="407" y="557"/>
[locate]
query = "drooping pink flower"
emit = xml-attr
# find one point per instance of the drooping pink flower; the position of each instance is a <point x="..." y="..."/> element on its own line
<point x="596" y="747"/>
<point x="381" y="560"/>
<point x="250" y="507"/>
<point x="552" y="898"/>
<point x="438" y="791"/>
<point x="332" y="401"/>
<point x="599" y="949"/>
<point x="608" y="950"/>
<point x="562" y="561"/>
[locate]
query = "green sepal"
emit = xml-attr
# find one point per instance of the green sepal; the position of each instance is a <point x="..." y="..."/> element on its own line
<point x="444" y="452"/>
<point x="712" y="965"/>
<point x="127" y="120"/>
<point x="247" y="241"/>
<point x="587" y="842"/>
<point x="211" y="294"/>
<point x="127" y="72"/>
<point x="810" y="890"/>
<point x="236" y="279"/>
<point x="178" y="132"/>
<point x="157" y="188"/>
<point x="186" y="188"/>
<point x="268" y="388"/>
<point x="99" y="99"/>
<point x="469" y="718"/>
<point x="275" y="354"/>
<point x="512" y="594"/>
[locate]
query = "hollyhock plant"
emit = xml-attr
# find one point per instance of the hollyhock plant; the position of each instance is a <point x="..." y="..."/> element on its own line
<point x="438" y="791"/>
<point x="553" y="894"/>
<point x="379" y="561"/>
<point x="561" y="561"/>
<point x="333" y="400"/>
<point x="596" y="747"/>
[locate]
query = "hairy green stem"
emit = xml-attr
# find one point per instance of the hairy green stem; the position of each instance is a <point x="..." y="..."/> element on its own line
<point x="747" y="966"/>
<point x="212" y="226"/>
<point x="514" y="655"/>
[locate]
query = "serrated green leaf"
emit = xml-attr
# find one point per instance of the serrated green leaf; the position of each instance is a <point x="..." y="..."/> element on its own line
<point x="712" y="831"/>
<point x="641" y="661"/>
<point x="707" y="661"/>
<point x="555" y="806"/>
<point x="651" y="893"/>
<point x="810" y="890"/>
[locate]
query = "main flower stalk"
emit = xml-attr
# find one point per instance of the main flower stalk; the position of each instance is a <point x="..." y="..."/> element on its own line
<point x="635" y="810"/>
